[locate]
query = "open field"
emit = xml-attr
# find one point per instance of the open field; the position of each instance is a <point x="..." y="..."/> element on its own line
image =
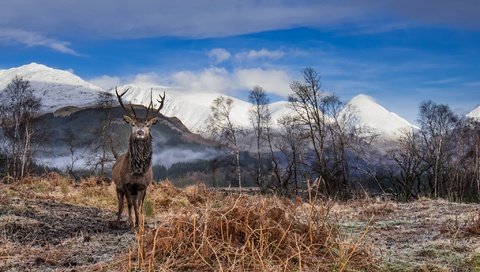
<point x="50" y="224"/>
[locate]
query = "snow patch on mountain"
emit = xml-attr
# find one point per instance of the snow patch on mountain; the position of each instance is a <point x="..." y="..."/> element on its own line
<point x="57" y="88"/>
<point x="475" y="113"/>
<point x="193" y="108"/>
<point x="368" y="113"/>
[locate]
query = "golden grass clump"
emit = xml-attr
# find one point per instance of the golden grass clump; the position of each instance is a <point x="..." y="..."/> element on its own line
<point x="474" y="226"/>
<point x="55" y="186"/>
<point x="166" y="195"/>
<point x="245" y="233"/>
<point x="377" y="209"/>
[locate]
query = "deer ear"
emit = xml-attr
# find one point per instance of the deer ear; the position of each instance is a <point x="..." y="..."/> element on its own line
<point x="128" y="119"/>
<point x="152" y="121"/>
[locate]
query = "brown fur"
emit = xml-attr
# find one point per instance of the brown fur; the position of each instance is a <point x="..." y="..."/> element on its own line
<point x="130" y="183"/>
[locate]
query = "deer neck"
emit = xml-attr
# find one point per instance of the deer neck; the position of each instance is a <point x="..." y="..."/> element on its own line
<point x="140" y="155"/>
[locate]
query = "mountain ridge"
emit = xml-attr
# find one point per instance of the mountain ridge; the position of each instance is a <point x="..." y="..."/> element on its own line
<point x="63" y="92"/>
<point x="370" y="113"/>
<point x="475" y="113"/>
<point x="57" y="88"/>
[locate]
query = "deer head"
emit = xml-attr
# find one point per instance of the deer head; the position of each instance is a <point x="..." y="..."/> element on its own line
<point x="141" y="126"/>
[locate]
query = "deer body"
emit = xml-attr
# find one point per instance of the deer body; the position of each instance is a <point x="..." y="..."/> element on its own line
<point x="132" y="172"/>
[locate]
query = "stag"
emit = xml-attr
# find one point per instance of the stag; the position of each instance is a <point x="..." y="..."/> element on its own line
<point x="132" y="172"/>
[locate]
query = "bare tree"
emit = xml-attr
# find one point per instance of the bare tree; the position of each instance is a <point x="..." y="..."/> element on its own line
<point x="290" y="141"/>
<point x="72" y="141"/>
<point x="475" y="151"/>
<point x="464" y="161"/>
<point x="437" y="124"/>
<point x="18" y="109"/>
<point x="259" y="116"/>
<point x="307" y="102"/>
<point x="105" y="146"/>
<point x="222" y="128"/>
<point x="408" y="167"/>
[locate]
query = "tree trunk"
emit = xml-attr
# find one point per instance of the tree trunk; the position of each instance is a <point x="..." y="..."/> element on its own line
<point x="16" y="148"/>
<point x="26" y="150"/>
<point x="259" y="165"/>
<point x="239" y="172"/>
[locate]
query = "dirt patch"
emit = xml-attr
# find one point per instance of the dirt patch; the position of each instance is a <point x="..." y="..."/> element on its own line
<point x="44" y="235"/>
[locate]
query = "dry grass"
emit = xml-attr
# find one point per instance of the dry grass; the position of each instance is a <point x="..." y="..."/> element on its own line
<point x="190" y="229"/>
<point x="54" y="186"/>
<point x="474" y="225"/>
<point x="208" y="232"/>
<point x="52" y="223"/>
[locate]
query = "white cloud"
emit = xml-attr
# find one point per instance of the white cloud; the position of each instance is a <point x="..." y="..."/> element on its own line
<point x="443" y="81"/>
<point x="107" y="82"/>
<point x="32" y="39"/>
<point x="220" y="80"/>
<point x="260" y="54"/>
<point x="272" y="80"/>
<point x="149" y="77"/>
<point x="219" y="54"/>
<point x="211" y="79"/>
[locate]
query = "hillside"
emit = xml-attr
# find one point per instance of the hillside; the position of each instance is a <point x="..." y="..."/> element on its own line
<point x="193" y="109"/>
<point x="475" y="113"/>
<point x="170" y="137"/>
<point x="368" y="113"/>
<point x="57" y="88"/>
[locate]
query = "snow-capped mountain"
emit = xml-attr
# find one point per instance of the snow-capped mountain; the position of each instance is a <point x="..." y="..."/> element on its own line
<point x="475" y="113"/>
<point x="57" y="88"/>
<point x="193" y="108"/>
<point x="368" y="113"/>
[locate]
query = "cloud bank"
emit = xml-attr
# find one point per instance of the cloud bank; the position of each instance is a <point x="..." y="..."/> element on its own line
<point x="126" y="19"/>
<point x="212" y="79"/>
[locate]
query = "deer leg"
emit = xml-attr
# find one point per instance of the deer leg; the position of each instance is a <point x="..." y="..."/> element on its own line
<point x="144" y="192"/>
<point x="136" y="200"/>
<point x="130" y="219"/>
<point x="120" y="195"/>
<point x="129" y="204"/>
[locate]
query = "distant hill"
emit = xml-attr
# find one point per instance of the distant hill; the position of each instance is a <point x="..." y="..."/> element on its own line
<point x="368" y="113"/>
<point x="172" y="141"/>
<point x="57" y="88"/>
<point x="475" y="113"/>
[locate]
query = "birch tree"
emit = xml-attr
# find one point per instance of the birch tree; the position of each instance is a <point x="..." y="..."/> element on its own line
<point x="17" y="110"/>
<point x="259" y="116"/>
<point x="222" y="128"/>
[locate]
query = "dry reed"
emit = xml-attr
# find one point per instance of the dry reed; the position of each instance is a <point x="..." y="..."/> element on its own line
<point x="245" y="233"/>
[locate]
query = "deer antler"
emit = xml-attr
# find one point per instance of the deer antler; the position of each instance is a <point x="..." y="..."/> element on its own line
<point x="119" y="96"/>
<point x="150" y="106"/>
<point x="151" y="103"/>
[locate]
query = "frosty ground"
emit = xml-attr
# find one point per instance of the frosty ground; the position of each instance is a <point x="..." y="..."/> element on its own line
<point x="52" y="224"/>
<point x="425" y="235"/>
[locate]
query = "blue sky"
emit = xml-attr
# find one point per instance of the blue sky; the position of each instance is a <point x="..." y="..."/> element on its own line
<point x="400" y="52"/>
